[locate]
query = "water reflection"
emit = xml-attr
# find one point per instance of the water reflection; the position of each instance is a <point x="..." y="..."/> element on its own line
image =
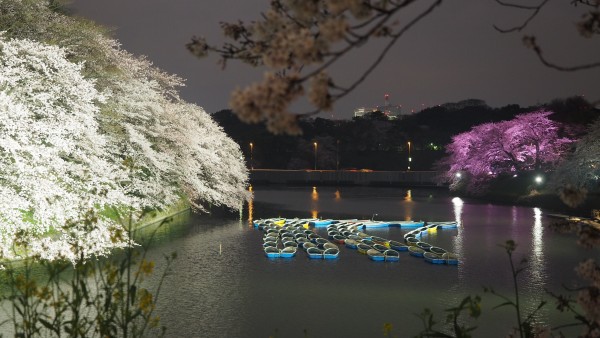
<point x="314" y="206"/>
<point x="458" y="207"/>
<point x="408" y="206"/>
<point x="227" y="289"/>
<point x="458" y="204"/>
<point x="250" y="207"/>
<point x="537" y="252"/>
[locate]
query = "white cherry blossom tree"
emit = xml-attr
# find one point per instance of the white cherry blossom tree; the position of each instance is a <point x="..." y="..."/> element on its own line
<point x="52" y="157"/>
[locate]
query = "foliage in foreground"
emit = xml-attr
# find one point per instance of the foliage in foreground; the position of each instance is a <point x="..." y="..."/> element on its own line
<point x="585" y="309"/>
<point x="98" y="297"/>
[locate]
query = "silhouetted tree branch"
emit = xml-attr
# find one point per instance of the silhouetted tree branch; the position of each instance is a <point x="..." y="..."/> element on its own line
<point x="588" y="27"/>
<point x="298" y="41"/>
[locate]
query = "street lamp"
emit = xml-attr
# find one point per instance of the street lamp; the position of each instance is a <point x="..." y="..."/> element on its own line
<point x="409" y="159"/>
<point x="315" y="144"/>
<point x="251" y="156"/>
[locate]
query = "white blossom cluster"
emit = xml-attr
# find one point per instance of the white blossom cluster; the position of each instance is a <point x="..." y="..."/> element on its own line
<point x="52" y="160"/>
<point x="74" y="151"/>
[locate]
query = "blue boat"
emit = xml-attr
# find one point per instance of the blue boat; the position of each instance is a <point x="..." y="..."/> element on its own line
<point x="375" y="224"/>
<point x="351" y="244"/>
<point x="332" y="233"/>
<point x="450" y="258"/>
<point x="308" y="245"/>
<point x="270" y="244"/>
<point x="412" y="241"/>
<point x="398" y="246"/>
<point x="329" y="246"/>
<point x="272" y="252"/>
<point x="437" y="250"/>
<point x="379" y="247"/>
<point x="363" y="248"/>
<point x="355" y="238"/>
<point x="301" y="241"/>
<point x="288" y="252"/>
<point x="368" y="242"/>
<point x="292" y="244"/>
<point x="269" y="239"/>
<point x="424" y="246"/>
<point x="375" y="255"/>
<point x="433" y="258"/>
<point x="287" y="239"/>
<point x="315" y="253"/>
<point x="415" y="251"/>
<point x="320" y="241"/>
<point x="379" y="240"/>
<point x="331" y="253"/>
<point x="445" y="225"/>
<point x="320" y="223"/>
<point x="339" y="239"/>
<point x="391" y="255"/>
<point x="407" y="224"/>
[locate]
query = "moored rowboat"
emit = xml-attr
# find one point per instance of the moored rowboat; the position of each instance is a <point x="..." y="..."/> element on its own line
<point x="395" y="245"/>
<point x="272" y="252"/>
<point x="433" y="258"/>
<point x="391" y="255"/>
<point x="315" y="253"/>
<point x="450" y="258"/>
<point x="288" y="252"/>
<point x="415" y="251"/>
<point x="363" y="248"/>
<point x="375" y="255"/>
<point x="331" y="253"/>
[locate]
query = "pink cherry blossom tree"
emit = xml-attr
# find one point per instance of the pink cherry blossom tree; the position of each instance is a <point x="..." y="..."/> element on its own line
<point x="528" y="142"/>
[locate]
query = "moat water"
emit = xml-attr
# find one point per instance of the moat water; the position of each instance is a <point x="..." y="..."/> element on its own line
<point x="224" y="286"/>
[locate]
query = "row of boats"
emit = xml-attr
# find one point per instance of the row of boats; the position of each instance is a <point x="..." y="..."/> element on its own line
<point x="284" y="237"/>
<point x="432" y="254"/>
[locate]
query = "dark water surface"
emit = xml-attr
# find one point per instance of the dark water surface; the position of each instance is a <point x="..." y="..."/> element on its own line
<point x="241" y="293"/>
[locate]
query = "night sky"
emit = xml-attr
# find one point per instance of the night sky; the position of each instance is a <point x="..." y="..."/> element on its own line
<point x="454" y="54"/>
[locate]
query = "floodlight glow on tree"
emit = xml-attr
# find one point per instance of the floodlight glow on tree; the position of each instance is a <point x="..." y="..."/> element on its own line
<point x="528" y="142"/>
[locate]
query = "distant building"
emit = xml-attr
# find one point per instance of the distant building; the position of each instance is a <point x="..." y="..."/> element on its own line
<point x="390" y="110"/>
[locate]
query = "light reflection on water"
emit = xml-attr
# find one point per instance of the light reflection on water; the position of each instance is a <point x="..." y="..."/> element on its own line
<point x="241" y="293"/>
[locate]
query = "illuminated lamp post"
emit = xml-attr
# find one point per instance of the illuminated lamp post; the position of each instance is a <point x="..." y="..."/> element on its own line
<point x="409" y="159"/>
<point x="251" y="156"/>
<point x="315" y="144"/>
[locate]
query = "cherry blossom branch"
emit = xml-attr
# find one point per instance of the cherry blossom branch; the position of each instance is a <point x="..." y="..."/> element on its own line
<point x="296" y="35"/>
<point x="589" y="26"/>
